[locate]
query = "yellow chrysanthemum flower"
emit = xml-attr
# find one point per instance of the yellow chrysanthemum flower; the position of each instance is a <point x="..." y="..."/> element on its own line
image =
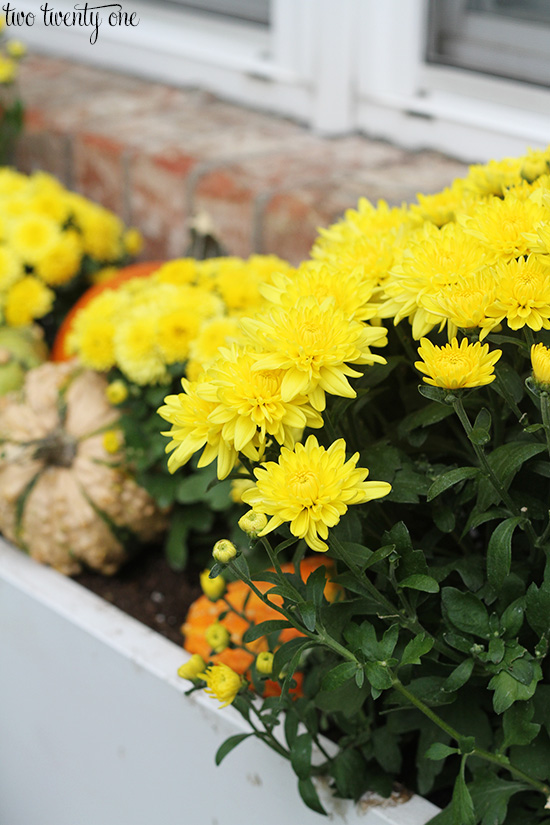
<point x="217" y="636"/>
<point x="204" y="348"/>
<point x="264" y="662"/>
<point x="249" y="404"/>
<point x="192" y="431"/>
<point x="494" y="177"/>
<point x="193" y="668"/>
<point x="352" y="294"/>
<point x="501" y="224"/>
<point x="314" y="343"/>
<point x="62" y="261"/>
<point x="133" y="241"/>
<point x="95" y="345"/>
<point x="252" y="523"/>
<point x="28" y="299"/>
<point x="136" y="349"/>
<point x="523" y="295"/>
<point x="311" y="488"/>
<point x="455" y="366"/>
<point x="435" y="260"/>
<point x="212" y="588"/>
<point x="181" y="271"/>
<point x="8" y="69"/>
<point x="11" y="268"/>
<point x="33" y="236"/>
<point x="116" y="392"/>
<point x="540" y="362"/>
<point x="112" y="441"/>
<point x="222" y="683"/>
<point x="441" y="207"/>
<point x="16" y="49"/>
<point x="463" y="304"/>
<point x="224" y="551"/>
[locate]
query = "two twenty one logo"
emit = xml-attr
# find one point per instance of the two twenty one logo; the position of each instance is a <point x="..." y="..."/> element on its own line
<point x="84" y="16"/>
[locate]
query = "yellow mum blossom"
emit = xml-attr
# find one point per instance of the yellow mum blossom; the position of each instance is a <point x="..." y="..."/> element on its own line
<point x="314" y="343"/>
<point x="95" y="345"/>
<point x="249" y="403"/>
<point x="213" y="334"/>
<point x="16" y="49"/>
<point x="441" y="207"/>
<point x="212" y="588"/>
<point x="34" y="236"/>
<point x="252" y="523"/>
<point x="133" y="241"/>
<point x="192" y="431"/>
<point x="116" y="392"/>
<point x="264" y="662"/>
<point x="112" y="441"/>
<point x="11" y="182"/>
<point x="464" y="304"/>
<point x="238" y="486"/>
<point x="217" y="636"/>
<point x="523" y="295"/>
<point x="222" y="683"/>
<point x="435" y="260"/>
<point x="8" y="69"/>
<point x="494" y="177"/>
<point x="102" y="231"/>
<point x="501" y="225"/>
<point x="540" y="362"/>
<point x="62" y="261"/>
<point x="11" y="268"/>
<point x="311" y="488"/>
<point x="181" y="271"/>
<point x="26" y="300"/>
<point x="455" y="366"/>
<point x="352" y="294"/>
<point x="224" y="550"/>
<point x="192" y="668"/>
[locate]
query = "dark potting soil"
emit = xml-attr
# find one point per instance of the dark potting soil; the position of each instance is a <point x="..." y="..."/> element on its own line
<point x="150" y="591"/>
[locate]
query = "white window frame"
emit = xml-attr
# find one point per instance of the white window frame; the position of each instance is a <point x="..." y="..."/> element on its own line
<point x="277" y="68"/>
<point x="404" y="99"/>
<point x="334" y="65"/>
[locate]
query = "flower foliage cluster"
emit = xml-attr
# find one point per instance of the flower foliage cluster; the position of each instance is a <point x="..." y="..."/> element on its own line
<point x="51" y="241"/>
<point x="145" y="331"/>
<point x="416" y="344"/>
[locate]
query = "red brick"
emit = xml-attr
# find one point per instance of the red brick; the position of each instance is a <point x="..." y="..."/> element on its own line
<point x="157" y="204"/>
<point x="99" y="171"/>
<point x="47" y="151"/>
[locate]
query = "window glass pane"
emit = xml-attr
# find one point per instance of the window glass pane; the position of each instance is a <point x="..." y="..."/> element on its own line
<point x="508" y="38"/>
<point x="256" y="11"/>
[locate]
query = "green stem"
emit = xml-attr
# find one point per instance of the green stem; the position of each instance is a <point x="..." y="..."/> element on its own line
<point x="495" y="759"/>
<point x="507" y="397"/>
<point x="545" y="412"/>
<point x="490" y="473"/>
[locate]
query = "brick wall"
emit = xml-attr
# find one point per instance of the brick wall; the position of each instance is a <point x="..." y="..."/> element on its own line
<point x="158" y="155"/>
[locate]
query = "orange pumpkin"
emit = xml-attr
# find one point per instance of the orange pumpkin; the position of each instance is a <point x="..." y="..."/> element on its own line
<point x="141" y="270"/>
<point x="204" y="612"/>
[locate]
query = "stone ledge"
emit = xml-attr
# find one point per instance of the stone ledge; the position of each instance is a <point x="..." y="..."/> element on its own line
<point x="157" y="154"/>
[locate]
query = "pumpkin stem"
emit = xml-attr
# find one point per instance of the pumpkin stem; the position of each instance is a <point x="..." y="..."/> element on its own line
<point x="57" y="449"/>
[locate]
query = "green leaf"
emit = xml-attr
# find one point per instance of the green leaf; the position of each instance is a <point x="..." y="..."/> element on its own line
<point x="378" y="676"/>
<point x="416" y="648"/>
<point x="439" y="751"/>
<point x="309" y="795"/>
<point x="291" y="724"/>
<point x="255" y="631"/>
<point x="425" y="417"/>
<point x="436" y="394"/>
<point x="512" y="618"/>
<point x="459" y="676"/>
<point x="285" y="654"/>
<point x="533" y="758"/>
<point x="315" y="586"/>
<point x="491" y="794"/>
<point x="465" y="612"/>
<point x="508" y="690"/>
<point x="182" y="521"/>
<point x="350" y="771"/>
<point x="338" y="675"/>
<point x="537" y="607"/>
<point x="229" y="744"/>
<point x="300" y="755"/>
<point x="499" y="551"/>
<point x="309" y="615"/>
<point x="462" y="805"/>
<point x="505" y="462"/>
<point x="417" y="581"/>
<point x="449" y="479"/>
<point x="517" y="725"/>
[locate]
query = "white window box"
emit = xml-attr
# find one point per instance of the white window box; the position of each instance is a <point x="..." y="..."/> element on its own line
<point x="96" y="731"/>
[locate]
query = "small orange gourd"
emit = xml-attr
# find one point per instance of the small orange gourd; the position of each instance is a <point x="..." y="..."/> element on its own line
<point x="204" y="612"/>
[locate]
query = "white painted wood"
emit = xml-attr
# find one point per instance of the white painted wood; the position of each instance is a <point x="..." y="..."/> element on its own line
<point x="95" y="729"/>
